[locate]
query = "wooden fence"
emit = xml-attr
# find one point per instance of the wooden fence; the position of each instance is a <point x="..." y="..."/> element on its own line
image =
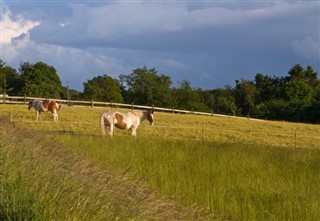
<point x="24" y="100"/>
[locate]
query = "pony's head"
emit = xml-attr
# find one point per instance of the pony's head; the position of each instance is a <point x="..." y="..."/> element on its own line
<point x="30" y="105"/>
<point x="150" y="117"/>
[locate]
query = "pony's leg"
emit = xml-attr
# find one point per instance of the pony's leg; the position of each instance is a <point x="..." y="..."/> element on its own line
<point x="133" y="131"/>
<point x="38" y="115"/>
<point x="110" y="128"/>
<point x="55" y="115"/>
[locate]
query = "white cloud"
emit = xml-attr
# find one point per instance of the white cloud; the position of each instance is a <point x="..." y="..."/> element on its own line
<point x="14" y="28"/>
<point x="14" y="34"/>
<point x="72" y="64"/>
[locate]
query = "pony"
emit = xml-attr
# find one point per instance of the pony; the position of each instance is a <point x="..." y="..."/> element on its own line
<point x="130" y="120"/>
<point x="44" y="106"/>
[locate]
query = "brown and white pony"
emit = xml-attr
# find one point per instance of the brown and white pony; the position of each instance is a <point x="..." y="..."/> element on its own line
<point x="44" y="106"/>
<point x="130" y="120"/>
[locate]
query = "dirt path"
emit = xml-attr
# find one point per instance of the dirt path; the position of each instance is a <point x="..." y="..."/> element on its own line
<point x="131" y="196"/>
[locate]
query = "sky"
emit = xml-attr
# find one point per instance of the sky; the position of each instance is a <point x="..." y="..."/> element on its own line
<point x="210" y="43"/>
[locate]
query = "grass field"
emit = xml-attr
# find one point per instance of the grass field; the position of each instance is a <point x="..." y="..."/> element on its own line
<point x="236" y="169"/>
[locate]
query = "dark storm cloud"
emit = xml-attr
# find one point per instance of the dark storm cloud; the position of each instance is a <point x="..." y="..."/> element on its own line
<point x="211" y="43"/>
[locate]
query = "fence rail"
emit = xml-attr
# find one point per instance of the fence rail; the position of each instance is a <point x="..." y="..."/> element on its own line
<point x="6" y="99"/>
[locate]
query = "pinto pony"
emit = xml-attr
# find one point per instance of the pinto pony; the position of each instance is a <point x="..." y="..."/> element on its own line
<point x="130" y="120"/>
<point x="44" y="106"/>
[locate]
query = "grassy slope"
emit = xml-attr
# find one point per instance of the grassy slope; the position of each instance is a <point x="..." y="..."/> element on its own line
<point x="235" y="181"/>
<point x="42" y="180"/>
<point x="226" y="165"/>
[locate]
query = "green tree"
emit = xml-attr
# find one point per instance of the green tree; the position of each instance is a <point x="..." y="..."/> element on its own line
<point x="40" y="80"/>
<point x="311" y="112"/>
<point x="102" y="88"/>
<point x="188" y="98"/>
<point x="222" y="101"/>
<point x="9" y="80"/>
<point x="312" y="77"/>
<point x="286" y="98"/>
<point x="245" y="95"/>
<point x="296" y="73"/>
<point x="67" y="93"/>
<point x="308" y="75"/>
<point x="267" y="87"/>
<point x="275" y="109"/>
<point x="298" y="93"/>
<point x="146" y="86"/>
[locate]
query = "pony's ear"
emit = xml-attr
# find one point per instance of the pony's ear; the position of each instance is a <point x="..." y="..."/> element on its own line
<point x="151" y="111"/>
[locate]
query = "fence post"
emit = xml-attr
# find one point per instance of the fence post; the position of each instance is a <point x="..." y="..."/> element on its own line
<point x="203" y="133"/>
<point x="295" y="138"/>
<point x="92" y="103"/>
<point x="202" y="129"/>
<point x="25" y="99"/>
<point x="132" y="106"/>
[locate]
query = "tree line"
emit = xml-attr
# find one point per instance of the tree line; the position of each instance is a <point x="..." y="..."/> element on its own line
<point x="293" y="97"/>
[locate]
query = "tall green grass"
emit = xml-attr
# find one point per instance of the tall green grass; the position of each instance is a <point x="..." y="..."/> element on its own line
<point x="235" y="181"/>
<point x="40" y="179"/>
<point x="239" y="169"/>
<point x="39" y="184"/>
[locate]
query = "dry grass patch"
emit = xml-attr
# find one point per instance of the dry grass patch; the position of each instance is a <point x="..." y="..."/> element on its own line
<point x="85" y="120"/>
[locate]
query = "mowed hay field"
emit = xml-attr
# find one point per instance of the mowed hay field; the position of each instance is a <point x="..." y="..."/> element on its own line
<point x="196" y="167"/>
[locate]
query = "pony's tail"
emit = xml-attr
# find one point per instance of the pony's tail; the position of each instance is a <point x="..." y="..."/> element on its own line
<point x="102" y="125"/>
<point x="58" y="106"/>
